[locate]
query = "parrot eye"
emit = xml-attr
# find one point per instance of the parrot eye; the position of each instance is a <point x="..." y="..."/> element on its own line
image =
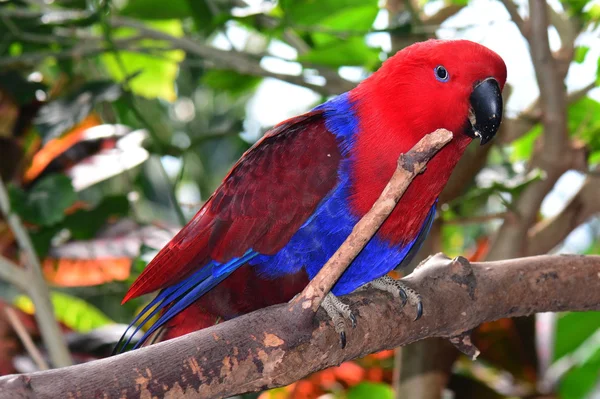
<point x="441" y="73"/>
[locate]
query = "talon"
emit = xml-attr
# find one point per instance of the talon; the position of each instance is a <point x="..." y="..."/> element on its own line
<point x="337" y="311"/>
<point x="399" y="289"/>
<point x="403" y="297"/>
<point x="419" y="310"/>
<point x="353" y="320"/>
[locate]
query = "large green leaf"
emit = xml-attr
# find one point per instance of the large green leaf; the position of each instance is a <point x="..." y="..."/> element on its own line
<point x="370" y="390"/>
<point x="351" y="52"/>
<point x="230" y="81"/>
<point x="522" y="148"/>
<point x="46" y="202"/>
<point x="73" y="312"/>
<point x="157" y="9"/>
<point x="348" y="21"/>
<point x="579" y="382"/>
<point x="84" y="224"/>
<point x="158" y="74"/>
<point x="310" y="12"/>
<point x="572" y="330"/>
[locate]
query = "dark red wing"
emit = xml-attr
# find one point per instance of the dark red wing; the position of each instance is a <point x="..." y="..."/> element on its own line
<point x="243" y="292"/>
<point x="267" y="196"/>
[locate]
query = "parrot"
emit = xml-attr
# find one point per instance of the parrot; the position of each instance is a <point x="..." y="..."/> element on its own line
<point x="292" y="199"/>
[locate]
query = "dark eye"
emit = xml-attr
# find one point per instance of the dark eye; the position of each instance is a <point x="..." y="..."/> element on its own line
<point x="441" y="73"/>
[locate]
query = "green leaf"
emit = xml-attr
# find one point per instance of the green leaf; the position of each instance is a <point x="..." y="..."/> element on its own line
<point x="522" y="148"/>
<point x="351" y="52"/>
<point x="73" y="312"/>
<point x="370" y="390"/>
<point x="310" y="12"/>
<point x="580" y="53"/>
<point x="572" y="330"/>
<point x="355" y="21"/>
<point x="46" y="202"/>
<point x="157" y="75"/>
<point x="581" y="380"/>
<point x="157" y="9"/>
<point x="21" y="90"/>
<point x="83" y="224"/>
<point x="230" y="81"/>
<point x="203" y="16"/>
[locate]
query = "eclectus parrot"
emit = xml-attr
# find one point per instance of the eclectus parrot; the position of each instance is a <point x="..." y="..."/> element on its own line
<point x="293" y="198"/>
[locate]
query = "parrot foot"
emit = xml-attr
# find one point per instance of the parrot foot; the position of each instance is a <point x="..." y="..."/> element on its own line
<point x="399" y="290"/>
<point x="337" y="312"/>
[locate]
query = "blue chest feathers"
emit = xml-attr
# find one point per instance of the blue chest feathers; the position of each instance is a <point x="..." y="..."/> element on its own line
<point x="326" y="230"/>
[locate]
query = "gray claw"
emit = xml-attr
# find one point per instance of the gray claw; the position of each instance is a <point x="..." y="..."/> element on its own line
<point x="343" y="339"/>
<point x="353" y="320"/>
<point x="419" y="310"/>
<point x="403" y="297"/>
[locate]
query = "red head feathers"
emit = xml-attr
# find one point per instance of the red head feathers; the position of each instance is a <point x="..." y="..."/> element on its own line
<point x="434" y="84"/>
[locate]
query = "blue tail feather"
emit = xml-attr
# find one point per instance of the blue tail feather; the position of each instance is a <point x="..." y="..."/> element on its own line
<point x="181" y="295"/>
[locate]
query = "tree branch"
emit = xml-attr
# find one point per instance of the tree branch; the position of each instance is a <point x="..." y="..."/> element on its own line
<point x="523" y="25"/>
<point x="274" y="347"/>
<point x="547" y="234"/>
<point x="555" y="156"/>
<point x="409" y="166"/>
<point x="36" y="287"/>
<point x="230" y="60"/>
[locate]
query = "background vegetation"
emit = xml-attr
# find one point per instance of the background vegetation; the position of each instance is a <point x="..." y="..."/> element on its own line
<point x="118" y="118"/>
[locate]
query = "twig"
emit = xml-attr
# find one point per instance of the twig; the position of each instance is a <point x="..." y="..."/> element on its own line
<point x="270" y="347"/>
<point x="25" y="338"/>
<point x="409" y="166"/>
<point x="511" y="7"/>
<point x="549" y="233"/>
<point x="237" y="61"/>
<point x="37" y="288"/>
<point x="555" y="156"/>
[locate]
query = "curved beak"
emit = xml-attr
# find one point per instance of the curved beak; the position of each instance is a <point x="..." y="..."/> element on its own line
<point x="485" y="113"/>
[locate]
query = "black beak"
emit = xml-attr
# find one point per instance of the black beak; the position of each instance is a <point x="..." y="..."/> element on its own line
<point x="485" y="114"/>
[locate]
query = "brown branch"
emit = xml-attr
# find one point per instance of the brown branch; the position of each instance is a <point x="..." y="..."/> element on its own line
<point x="547" y="234"/>
<point x="556" y="153"/>
<point x="408" y="167"/>
<point x="238" y="61"/>
<point x="523" y="25"/>
<point x="274" y="347"/>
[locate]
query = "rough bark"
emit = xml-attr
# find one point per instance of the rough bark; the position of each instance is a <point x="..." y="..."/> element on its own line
<point x="281" y="344"/>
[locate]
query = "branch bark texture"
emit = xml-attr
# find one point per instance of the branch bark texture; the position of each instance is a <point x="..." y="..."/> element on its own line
<point x="274" y="347"/>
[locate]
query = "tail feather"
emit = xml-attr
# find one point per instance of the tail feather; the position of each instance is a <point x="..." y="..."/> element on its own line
<point x="172" y="300"/>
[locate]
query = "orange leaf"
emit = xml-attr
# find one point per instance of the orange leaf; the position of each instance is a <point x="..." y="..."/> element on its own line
<point x="85" y="272"/>
<point x="57" y="146"/>
<point x="383" y="354"/>
<point x="350" y="373"/>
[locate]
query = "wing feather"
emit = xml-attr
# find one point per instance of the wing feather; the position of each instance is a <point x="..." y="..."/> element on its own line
<point x="267" y="196"/>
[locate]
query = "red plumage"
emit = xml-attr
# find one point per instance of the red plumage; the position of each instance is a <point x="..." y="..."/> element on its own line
<point x="280" y="181"/>
<point x="238" y="216"/>
<point x="242" y="292"/>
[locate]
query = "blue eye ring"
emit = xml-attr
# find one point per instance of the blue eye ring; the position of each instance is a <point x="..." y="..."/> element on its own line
<point x="441" y="73"/>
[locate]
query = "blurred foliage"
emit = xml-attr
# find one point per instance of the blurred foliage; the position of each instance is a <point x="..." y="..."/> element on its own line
<point x="79" y="78"/>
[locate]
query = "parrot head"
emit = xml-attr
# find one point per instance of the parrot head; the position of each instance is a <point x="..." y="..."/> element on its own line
<point x="451" y="84"/>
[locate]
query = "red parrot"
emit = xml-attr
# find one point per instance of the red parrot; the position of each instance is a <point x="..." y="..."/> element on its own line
<point x="294" y="197"/>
